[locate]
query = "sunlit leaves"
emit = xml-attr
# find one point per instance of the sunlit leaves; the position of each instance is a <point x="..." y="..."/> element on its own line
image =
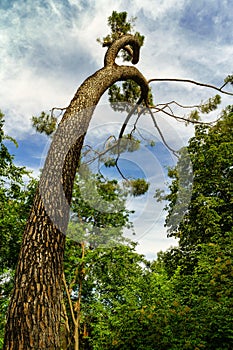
<point x="14" y="199"/>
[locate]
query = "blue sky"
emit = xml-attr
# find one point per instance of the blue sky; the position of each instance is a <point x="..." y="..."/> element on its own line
<point x="49" y="47"/>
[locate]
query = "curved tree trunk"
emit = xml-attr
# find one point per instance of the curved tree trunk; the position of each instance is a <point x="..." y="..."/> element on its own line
<point x="34" y="312"/>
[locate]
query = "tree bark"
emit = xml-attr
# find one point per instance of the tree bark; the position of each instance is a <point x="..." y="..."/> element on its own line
<point x="35" y="309"/>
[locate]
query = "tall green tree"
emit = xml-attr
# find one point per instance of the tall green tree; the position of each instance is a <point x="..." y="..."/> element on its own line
<point x="15" y="201"/>
<point x="96" y="224"/>
<point x="200" y="268"/>
<point x="209" y="214"/>
<point x="12" y="195"/>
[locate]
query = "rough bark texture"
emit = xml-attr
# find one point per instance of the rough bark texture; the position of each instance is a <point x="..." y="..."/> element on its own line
<point x="34" y="313"/>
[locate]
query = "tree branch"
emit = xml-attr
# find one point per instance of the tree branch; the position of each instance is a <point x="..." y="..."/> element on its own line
<point x="181" y="118"/>
<point x="176" y="103"/>
<point x="192" y="82"/>
<point x="122" y="43"/>
<point x="161" y="134"/>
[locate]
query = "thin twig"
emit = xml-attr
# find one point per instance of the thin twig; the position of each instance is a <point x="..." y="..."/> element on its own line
<point x="176" y="103"/>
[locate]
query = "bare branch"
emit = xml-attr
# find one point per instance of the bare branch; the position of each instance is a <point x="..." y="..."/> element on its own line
<point x="192" y="82"/>
<point x="176" y="103"/>
<point x="181" y="118"/>
<point x="122" y="132"/>
<point x="61" y="109"/>
<point x="120" y="172"/>
<point x="128" y="117"/>
<point x="223" y="85"/>
<point x="161" y="134"/>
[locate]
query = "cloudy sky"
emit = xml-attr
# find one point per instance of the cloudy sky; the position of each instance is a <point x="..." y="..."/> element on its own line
<point x="48" y="47"/>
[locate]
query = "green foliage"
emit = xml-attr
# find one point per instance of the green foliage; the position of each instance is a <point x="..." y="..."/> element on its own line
<point x="152" y="143"/>
<point x="143" y="308"/>
<point x="124" y="96"/>
<point x="211" y="104"/>
<point x="15" y="202"/>
<point x="200" y="267"/>
<point x="210" y="208"/>
<point x="110" y="162"/>
<point x="138" y="187"/>
<point x="205" y="108"/>
<point x="119" y="26"/>
<point x="178" y="199"/>
<point x="95" y="230"/>
<point x="194" y="116"/>
<point x="45" y="123"/>
<point x="211" y="152"/>
<point x="10" y="174"/>
<point x="127" y="143"/>
<point x="98" y="211"/>
<point x="229" y="79"/>
<point x="113" y="291"/>
<point x="208" y="294"/>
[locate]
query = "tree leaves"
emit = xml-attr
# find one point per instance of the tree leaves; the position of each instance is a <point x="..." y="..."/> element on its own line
<point x="123" y="97"/>
<point x="229" y="79"/>
<point x="45" y="123"/>
<point x="138" y="187"/>
<point x="119" y="26"/>
<point x="206" y="107"/>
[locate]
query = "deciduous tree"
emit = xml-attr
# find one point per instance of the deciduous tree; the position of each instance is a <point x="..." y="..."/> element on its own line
<point x="209" y="214"/>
